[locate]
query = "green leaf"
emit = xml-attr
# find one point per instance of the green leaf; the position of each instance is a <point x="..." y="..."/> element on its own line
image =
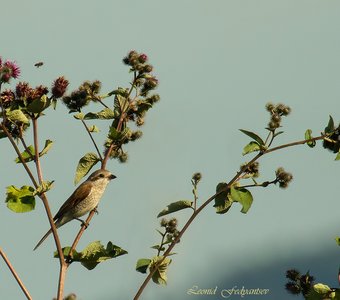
<point x="321" y="288"/>
<point x="79" y="116"/>
<point x="20" y="200"/>
<point x="94" y="254"/>
<point x="121" y="103"/>
<point x="30" y="154"/>
<point x="254" y="136"/>
<point x="175" y="206"/>
<point x="26" y="155"/>
<point x="308" y="136"/>
<point x="44" y="187"/>
<point x="66" y="251"/>
<point x="159" y="276"/>
<point x="337" y="239"/>
<point x="222" y="201"/>
<point x="142" y="265"/>
<point x="338" y="156"/>
<point x="40" y="104"/>
<point x="156" y="247"/>
<point x="104" y="114"/>
<point x="85" y="164"/>
<point x="243" y="196"/>
<point x="278" y="133"/>
<point x="94" y="128"/>
<point x="251" y="147"/>
<point x="17" y="116"/>
<point x="330" y="126"/>
<point x="47" y="147"/>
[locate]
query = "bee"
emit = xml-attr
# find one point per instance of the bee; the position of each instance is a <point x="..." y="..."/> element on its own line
<point x="38" y="64"/>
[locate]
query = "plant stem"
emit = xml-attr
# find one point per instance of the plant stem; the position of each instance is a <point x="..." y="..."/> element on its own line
<point x="15" y="274"/>
<point x="10" y="137"/>
<point x="198" y="210"/>
<point x="92" y="139"/>
<point x="63" y="265"/>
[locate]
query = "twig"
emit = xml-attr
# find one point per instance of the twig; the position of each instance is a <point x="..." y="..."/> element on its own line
<point x="197" y="211"/>
<point x="15" y="274"/>
<point x="9" y="135"/>
<point x="63" y="266"/>
<point x="92" y="139"/>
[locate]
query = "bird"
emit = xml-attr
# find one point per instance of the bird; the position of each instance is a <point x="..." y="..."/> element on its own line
<point x="84" y="199"/>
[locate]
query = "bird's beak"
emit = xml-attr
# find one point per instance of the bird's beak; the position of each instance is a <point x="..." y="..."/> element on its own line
<point x="112" y="177"/>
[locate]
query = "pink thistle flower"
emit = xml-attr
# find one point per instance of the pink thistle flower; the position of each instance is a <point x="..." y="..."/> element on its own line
<point x="13" y="67"/>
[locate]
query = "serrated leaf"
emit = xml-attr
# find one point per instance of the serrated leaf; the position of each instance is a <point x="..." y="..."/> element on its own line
<point x="142" y="265"/>
<point x="251" y="147"/>
<point x="38" y="105"/>
<point x="330" y="126"/>
<point x="47" y="147"/>
<point x="104" y="114"/>
<point x="85" y="164"/>
<point x="175" y="206"/>
<point x="222" y="201"/>
<point x="160" y="275"/>
<point x="254" y="136"/>
<point x="26" y="155"/>
<point x="17" y="116"/>
<point x="243" y="196"/>
<point x="94" y="254"/>
<point x="79" y="116"/>
<point x="20" y="200"/>
<point x="308" y="136"/>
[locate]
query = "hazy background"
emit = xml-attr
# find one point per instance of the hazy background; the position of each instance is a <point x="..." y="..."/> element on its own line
<point x="219" y="63"/>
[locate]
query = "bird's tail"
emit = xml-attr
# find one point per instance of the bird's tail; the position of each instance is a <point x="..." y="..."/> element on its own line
<point x="43" y="239"/>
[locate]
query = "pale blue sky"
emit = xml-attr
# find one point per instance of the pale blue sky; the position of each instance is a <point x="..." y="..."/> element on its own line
<point x="219" y="63"/>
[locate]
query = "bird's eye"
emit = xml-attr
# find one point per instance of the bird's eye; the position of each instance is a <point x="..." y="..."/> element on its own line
<point x="101" y="175"/>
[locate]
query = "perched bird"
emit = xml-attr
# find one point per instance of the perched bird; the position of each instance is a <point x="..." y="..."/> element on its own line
<point x="84" y="199"/>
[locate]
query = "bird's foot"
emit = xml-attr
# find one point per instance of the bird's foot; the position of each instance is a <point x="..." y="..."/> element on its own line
<point x="83" y="223"/>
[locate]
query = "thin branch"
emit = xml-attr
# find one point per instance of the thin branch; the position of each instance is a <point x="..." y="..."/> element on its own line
<point x="25" y="145"/>
<point x="10" y="137"/>
<point x="92" y="139"/>
<point x="321" y="137"/>
<point x="15" y="274"/>
<point x="197" y="211"/>
<point x="79" y="235"/>
<point x="62" y="271"/>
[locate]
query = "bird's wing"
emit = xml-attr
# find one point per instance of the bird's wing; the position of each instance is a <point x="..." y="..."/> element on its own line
<point x="78" y="195"/>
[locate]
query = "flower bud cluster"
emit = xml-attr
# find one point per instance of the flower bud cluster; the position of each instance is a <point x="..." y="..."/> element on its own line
<point x="139" y="64"/>
<point x="298" y="283"/>
<point x="171" y="230"/>
<point x="252" y="170"/>
<point x="276" y="112"/>
<point x="196" y="177"/>
<point x="8" y="70"/>
<point x="82" y="96"/>
<point x="283" y="177"/>
<point x="59" y="87"/>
